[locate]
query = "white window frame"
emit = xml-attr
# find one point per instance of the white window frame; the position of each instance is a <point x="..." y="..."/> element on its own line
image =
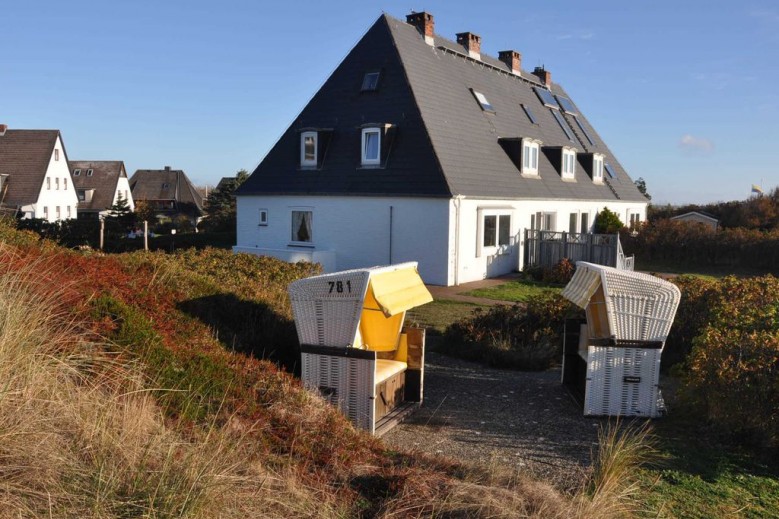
<point x="542" y="217"/>
<point x="65" y="184"/>
<point x="292" y="232"/>
<point x="58" y="213"/>
<point x="369" y="161"/>
<point x="263" y="218"/>
<point x="496" y="247"/>
<point x="48" y="183"/>
<point x="77" y="173"/>
<point x="303" y="137"/>
<point x="57" y="184"/>
<point x="568" y="164"/>
<point x="531" y="151"/>
<point x="597" y="168"/>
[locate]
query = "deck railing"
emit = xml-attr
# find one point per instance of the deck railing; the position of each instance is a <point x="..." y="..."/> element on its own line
<point x="547" y="248"/>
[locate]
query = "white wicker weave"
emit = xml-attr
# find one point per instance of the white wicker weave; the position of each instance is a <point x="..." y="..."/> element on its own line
<point x="623" y="380"/>
<point x="327" y="310"/>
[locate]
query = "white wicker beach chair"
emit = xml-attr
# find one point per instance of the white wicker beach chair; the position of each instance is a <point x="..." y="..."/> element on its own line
<point x="629" y="316"/>
<point x="354" y="348"/>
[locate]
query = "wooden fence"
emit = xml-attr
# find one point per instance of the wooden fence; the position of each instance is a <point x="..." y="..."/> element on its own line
<point x="547" y="248"/>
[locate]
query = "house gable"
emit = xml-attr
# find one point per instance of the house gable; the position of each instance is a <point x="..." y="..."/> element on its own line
<point x="341" y="110"/>
<point x="101" y="182"/>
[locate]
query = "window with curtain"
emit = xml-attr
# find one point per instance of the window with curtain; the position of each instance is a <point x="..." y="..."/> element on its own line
<point x="302" y="226"/>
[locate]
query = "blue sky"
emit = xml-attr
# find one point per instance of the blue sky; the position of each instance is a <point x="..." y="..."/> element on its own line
<point x="684" y="92"/>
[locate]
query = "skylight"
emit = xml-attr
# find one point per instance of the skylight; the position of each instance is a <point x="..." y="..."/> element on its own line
<point x="562" y="124"/>
<point x="485" y="105"/>
<point x="76" y="172"/>
<point x="584" y="131"/>
<point x="546" y="98"/>
<point x="529" y="114"/>
<point x="610" y="171"/>
<point x="89" y="172"/>
<point x="370" y="82"/>
<point x="567" y="105"/>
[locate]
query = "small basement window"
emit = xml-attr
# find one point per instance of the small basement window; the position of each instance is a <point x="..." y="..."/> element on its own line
<point x="485" y="105"/>
<point x="370" y="82"/>
<point x="371" y="146"/>
<point x="308" y="148"/>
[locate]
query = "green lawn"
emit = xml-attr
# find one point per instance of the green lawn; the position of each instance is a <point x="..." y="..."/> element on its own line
<point x="699" y="478"/>
<point x="439" y="314"/>
<point x="515" y="291"/>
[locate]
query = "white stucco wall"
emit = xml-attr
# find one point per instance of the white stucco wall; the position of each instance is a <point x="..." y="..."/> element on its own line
<point x="123" y="187"/>
<point x="474" y="262"/>
<point x="50" y="197"/>
<point x="351" y="232"/>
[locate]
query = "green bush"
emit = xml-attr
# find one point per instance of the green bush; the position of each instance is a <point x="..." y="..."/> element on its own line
<point x="607" y="222"/>
<point x="696" y="246"/>
<point x="732" y="371"/>
<point x="523" y="336"/>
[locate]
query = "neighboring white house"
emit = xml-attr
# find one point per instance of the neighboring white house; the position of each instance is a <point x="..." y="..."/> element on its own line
<point x="420" y="148"/>
<point x="99" y="185"/>
<point x="35" y="180"/>
<point x="696" y="217"/>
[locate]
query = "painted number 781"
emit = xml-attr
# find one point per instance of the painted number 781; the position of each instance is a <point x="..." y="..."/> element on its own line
<point x="338" y="286"/>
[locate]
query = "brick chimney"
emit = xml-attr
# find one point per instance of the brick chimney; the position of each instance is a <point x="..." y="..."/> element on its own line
<point x="3" y="128"/>
<point x="544" y="75"/>
<point x="512" y="59"/>
<point x="424" y="23"/>
<point x="167" y="168"/>
<point x="471" y="42"/>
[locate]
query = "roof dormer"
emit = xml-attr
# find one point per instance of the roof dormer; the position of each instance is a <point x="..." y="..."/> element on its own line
<point x="594" y="165"/>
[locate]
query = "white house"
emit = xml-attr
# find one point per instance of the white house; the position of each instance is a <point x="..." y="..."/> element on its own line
<point x="99" y="185"/>
<point x="418" y="148"/>
<point x="35" y="180"/>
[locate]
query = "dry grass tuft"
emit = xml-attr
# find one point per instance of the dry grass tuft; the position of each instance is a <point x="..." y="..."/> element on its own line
<point x="82" y="436"/>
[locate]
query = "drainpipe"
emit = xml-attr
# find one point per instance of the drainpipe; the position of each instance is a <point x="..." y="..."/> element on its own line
<point x="457" y="201"/>
<point x="390" y="236"/>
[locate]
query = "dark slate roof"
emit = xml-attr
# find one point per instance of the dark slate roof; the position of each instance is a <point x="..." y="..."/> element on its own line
<point x="445" y="144"/>
<point x="164" y="184"/>
<point x="25" y="156"/>
<point x="105" y="177"/>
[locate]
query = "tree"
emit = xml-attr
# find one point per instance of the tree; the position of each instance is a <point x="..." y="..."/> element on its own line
<point x="641" y="185"/>
<point x="145" y="213"/>
<point x="220" y="204"/>
<point x="120" y="214"/>
<point x="607" y="222"/>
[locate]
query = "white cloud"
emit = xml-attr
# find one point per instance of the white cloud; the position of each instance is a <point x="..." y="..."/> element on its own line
<point x="691" y="143"/>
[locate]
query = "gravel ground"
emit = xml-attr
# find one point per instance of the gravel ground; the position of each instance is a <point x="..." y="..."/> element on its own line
<point x="524" y="421"/>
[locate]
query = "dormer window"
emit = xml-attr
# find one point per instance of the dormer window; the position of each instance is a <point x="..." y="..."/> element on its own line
<point x="597" y="168"/>
<point x="530" y="151"/>
<point x="370" y="82"/>
<point x="485" y="105"/>
<point x="568" y="165"/>
<point x="371" y="146"/>
<point x="308" y="148"/>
